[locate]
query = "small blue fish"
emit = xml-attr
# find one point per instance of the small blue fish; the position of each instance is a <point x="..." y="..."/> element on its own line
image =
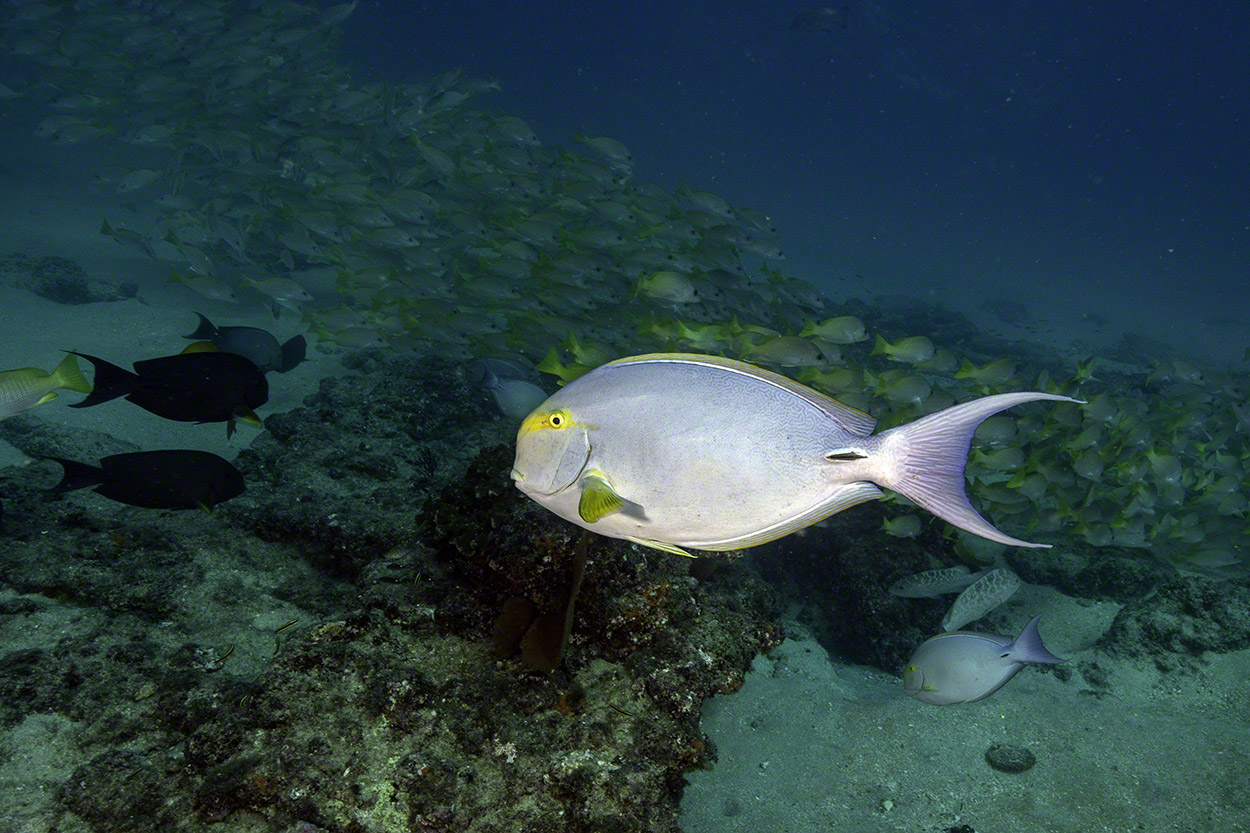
<point x="963" y="667"/>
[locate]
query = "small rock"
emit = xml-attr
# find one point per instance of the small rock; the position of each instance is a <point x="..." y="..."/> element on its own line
<point x="1007" y="758"/>
<point x="60" y="280"/>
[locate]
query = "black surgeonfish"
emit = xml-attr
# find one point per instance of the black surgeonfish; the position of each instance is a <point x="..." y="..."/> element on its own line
<point x="157" y="479"/>
<point x="258" y="345"/>
<point x="188" y="387"/>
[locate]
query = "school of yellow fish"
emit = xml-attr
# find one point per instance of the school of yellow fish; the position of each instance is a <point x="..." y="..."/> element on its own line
<point x="407" y="217"/>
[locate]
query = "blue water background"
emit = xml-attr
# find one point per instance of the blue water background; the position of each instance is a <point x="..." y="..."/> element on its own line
<point x="1079" y="158"/>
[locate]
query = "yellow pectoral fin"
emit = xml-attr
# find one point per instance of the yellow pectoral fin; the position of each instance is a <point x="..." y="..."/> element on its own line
<point x="598" y="499"/>
<point x="249" y="416"/>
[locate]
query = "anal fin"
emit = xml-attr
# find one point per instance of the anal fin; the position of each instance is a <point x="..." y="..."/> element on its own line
<point x="660" y="545"/>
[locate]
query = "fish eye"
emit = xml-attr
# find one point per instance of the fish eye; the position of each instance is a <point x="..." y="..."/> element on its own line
<point x="557" y="419"/>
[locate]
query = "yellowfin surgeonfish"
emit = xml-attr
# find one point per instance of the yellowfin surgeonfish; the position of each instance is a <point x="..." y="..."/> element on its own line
<point x="28" y="387"/>
<point x="674" y="450"/>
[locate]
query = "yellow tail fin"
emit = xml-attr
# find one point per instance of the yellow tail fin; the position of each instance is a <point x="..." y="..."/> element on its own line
<point x="68" y="375"/>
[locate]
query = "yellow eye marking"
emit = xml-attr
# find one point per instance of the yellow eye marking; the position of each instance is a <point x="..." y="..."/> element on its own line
<point x="557" y="420"/>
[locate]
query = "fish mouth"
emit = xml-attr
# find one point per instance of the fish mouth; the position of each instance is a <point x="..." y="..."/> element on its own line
<point x="519" y="480"/>
<point x="528" y="488"/>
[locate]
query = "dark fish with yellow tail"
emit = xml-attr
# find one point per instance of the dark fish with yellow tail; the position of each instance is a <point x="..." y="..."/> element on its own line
<point x="188" y="387"/>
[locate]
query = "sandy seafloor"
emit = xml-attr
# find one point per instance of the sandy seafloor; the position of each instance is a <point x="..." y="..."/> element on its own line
<point x="813" y="744"/>
<point x="808" y="743"/>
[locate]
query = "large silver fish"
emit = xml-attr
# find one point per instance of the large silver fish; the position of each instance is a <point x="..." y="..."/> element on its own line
<point x="674" y="450"/>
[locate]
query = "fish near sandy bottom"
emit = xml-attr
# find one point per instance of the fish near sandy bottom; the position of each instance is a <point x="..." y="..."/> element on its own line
<point x="174" y="479"/>
<point x="258" y="346"/>
<point x="963" y="667"/>
<point x="187" y="387"/>
<point x="674" y="450"/>
<point x="29" y="387"/>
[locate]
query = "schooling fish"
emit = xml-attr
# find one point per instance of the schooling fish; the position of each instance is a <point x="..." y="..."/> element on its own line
<point x="674" y="450"/>
<point x="188" y="387"/>
<point x="253" y="343"/>
<point x="157" y="479"/>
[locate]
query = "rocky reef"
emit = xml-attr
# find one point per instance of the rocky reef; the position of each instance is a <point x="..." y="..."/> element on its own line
<point x="325" y="652"/>
<point x="60" y="280"/>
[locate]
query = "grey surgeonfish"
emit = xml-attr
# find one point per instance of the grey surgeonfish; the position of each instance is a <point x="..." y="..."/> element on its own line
<point x="253" y="343"/>
<point x="514" y="396"/>
<point x="675" y="450"/>
<point x="963" y="667"/>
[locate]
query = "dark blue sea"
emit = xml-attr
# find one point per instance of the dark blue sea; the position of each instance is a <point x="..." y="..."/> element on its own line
<point x="1085" y="161"/>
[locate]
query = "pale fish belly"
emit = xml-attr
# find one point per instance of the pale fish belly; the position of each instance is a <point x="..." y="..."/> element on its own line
<point x="20" y="396"/>
<point x="709" y="455"/>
